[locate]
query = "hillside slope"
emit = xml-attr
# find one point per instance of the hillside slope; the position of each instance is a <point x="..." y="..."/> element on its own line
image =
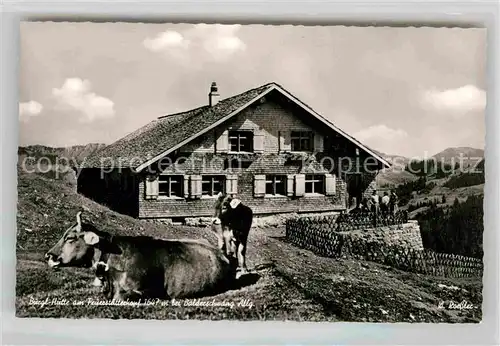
<point x="76" y="152"/>
<point x="299" y="286"/>
<point x="391" y="178"/>
<point x="398" y="173"/>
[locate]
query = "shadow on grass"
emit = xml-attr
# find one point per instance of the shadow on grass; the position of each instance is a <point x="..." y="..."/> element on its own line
<point x="252" y="277"/>
<point x="246" y="280"/>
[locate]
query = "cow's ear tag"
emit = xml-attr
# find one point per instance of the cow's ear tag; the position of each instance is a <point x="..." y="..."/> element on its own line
<point x="90" y="238"/>
<point x="234" y="203"/>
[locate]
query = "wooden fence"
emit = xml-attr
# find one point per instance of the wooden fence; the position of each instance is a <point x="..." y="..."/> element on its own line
<point x="353" y="221"/>
<point x="325" y="241"/>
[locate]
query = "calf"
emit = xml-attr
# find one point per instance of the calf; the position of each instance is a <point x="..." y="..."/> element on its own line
<point x="143" y="266"/>
<point x="232" y="224"/>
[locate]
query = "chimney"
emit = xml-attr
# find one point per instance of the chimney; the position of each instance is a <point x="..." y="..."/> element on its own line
<point x="213" y="96"/>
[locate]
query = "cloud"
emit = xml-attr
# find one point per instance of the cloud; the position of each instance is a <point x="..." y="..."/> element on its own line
<point x="456" y="102"/>
<point x="75" y="94"/>
<point x="166" y="40"/>
<point x="29" y="109"/>
<point x="220" y="41"/>
<point x="382" y="138"/>
<point x="213" y="42"/>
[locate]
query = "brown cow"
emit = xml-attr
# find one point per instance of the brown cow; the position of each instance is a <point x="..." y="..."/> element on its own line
<point x="143" y="266"/>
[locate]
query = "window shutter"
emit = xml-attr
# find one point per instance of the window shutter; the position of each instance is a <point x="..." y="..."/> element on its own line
<point x="258" y="142"/>
<point x="152" y="187"/>
<point x="195" y="186"/>
<point x="289" y="185"/>
<point x="285" y="141"/>
<point x="300" y="185"/>
<point x="330" y="183"/>
<point x="318" y="143"/>
<point x="222" y="144"/>
<point x="259" y="185"/>
<point x="186" y="186"/>
<point x="231" y="184"/>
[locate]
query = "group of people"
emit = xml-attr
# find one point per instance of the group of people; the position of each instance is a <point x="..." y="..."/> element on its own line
<point x="386" y="205"/>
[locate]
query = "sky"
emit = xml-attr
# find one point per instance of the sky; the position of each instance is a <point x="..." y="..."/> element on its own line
<point x="402" y="91"/>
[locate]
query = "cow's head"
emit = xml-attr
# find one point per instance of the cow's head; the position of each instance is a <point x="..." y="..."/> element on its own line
<point x="225" y="204"/>
<point x="76" y="246"/>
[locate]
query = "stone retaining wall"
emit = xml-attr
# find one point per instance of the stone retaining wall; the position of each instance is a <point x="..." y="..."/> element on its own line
<point x="405" y="235"/>
<point x="397" y="246"/>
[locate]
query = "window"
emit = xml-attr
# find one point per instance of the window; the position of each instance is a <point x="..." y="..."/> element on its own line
<point x="211" y="185"/>
<point x="315" y="183"/>
<point x="302" y="140"/>
<point x="170" y="185"/>
<point x="276" y="185"/>
<point x="241" y="141"/>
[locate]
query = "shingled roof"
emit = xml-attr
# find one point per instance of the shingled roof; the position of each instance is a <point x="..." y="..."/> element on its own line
<point x="169" y="132"/>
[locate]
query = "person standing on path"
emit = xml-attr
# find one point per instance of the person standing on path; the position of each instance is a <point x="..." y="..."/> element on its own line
<point x="384" y="206"/>
<point x="394" y="203"/>
<point x="374" y="199"/>
<point x="375" y="202"/>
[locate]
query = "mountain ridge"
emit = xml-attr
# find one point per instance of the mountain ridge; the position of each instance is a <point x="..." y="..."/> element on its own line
<point x="74" y="152"/>
<point x="456" y="152"/>
<point x="446" y="153"/>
